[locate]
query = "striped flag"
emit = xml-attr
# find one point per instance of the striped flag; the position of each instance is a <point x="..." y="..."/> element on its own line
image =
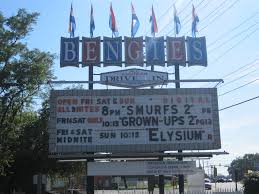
<point x="152" y="19"/>
<point x="195" y="20"/>
<point x="112" y="22"/>
<point x="134" y="22"/>
<point x="177" y="24"/>
<point x="92" y="25"/>
<point x="72" y="23"/>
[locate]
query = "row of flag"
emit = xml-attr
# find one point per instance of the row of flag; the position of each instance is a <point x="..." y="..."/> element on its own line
<point x="134" y="22"/>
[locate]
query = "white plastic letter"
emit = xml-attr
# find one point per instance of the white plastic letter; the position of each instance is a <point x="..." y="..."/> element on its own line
<point x="90" y="47"/>
<point x="130" y="53"/>
<point x="70" y="48"/>
<point x="198" y="52"/>
<point x="110" y="48"/>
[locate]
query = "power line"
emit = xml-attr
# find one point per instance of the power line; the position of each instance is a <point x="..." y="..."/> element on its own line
<point x="185" y="7"/>
<point x="238" y="87"/>
<point x="184" y="17"/>
<point x="227" y="51"/>
<point x="239" y="103"/>
<point x="178" y="14"/>
<point x="214" y="14"/>
<point x="228" y="32"/>
<point x="222" y="4"/>
<point x="166" y="11"/>
<point x="227" y="9"/>
<point x="163" y="16"/>
<point x="233" y="37"/>
<point x="238" y="78"/>
<point x="247" y="65"/>
<point x="188" y="16"/>
<point x="208" y="25"/>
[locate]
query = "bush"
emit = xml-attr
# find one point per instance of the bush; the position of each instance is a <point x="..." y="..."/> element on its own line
<point x="251" y="183"/>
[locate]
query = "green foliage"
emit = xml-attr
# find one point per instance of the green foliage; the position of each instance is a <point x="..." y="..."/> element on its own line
<point x="251" y="183"/>
<point x="31" y="153"/>
<point x="242" y="165"/>
<point x="23" y="75"/>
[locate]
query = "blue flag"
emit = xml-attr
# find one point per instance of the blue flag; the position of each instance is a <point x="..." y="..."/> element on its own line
<point x="177" y="24"/>
<point x="134" y="22"/>
<point x="92" y="25"/>
<point x="195" y="20"/>
<point x="72" y="23"/>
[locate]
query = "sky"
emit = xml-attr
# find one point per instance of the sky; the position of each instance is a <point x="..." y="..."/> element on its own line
<point x="232" y="37"/>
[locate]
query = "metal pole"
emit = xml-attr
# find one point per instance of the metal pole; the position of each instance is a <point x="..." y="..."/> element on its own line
<point x="180" y="158"/>
<point x="90" y="77"/>
<point x="177" y="76"/>
<point x="161" y="181"/>
<point x="39" y="183"/>
<point x="89" y="179"/>
<point x="161" y="178"/>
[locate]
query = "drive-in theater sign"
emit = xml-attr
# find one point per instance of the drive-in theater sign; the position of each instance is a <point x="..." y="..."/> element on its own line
<point x="134" y="120"/>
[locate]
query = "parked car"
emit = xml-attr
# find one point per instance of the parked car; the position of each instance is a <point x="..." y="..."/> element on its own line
<point x="229" y="180"/>
<point x="208" y="186"/>
<point x="207" y="180"/>
<point x="221" y="180"/>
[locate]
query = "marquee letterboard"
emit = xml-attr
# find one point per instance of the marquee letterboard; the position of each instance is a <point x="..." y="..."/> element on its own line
<point x="144" y="120"/>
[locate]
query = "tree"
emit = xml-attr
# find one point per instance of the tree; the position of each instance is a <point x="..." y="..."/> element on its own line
<point x="23" y="75"/>
<point x="31" y="155"/>
<point x="251" y="183"/>
<point x="241" y="165"/>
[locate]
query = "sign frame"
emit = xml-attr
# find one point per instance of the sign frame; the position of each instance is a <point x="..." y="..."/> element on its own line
<point x="215" y="143"/>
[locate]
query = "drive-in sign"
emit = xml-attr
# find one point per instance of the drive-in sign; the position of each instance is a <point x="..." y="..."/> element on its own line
<point x="134" y="120"/>
<point x="134" y="78"/>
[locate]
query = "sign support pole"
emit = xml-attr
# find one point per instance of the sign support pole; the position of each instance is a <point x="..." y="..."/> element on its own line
<point x="180" y="158"/>
<point x="89" y="179"/>
<point x="160" y="177"/>
<point x="39" y="183"/>
<point x="161" y="181"/>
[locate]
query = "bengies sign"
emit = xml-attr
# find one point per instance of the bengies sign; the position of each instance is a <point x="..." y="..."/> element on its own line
<point x="133" y="51"/>
<point x="134" y="120"/>
<point x="134" y="78"/>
